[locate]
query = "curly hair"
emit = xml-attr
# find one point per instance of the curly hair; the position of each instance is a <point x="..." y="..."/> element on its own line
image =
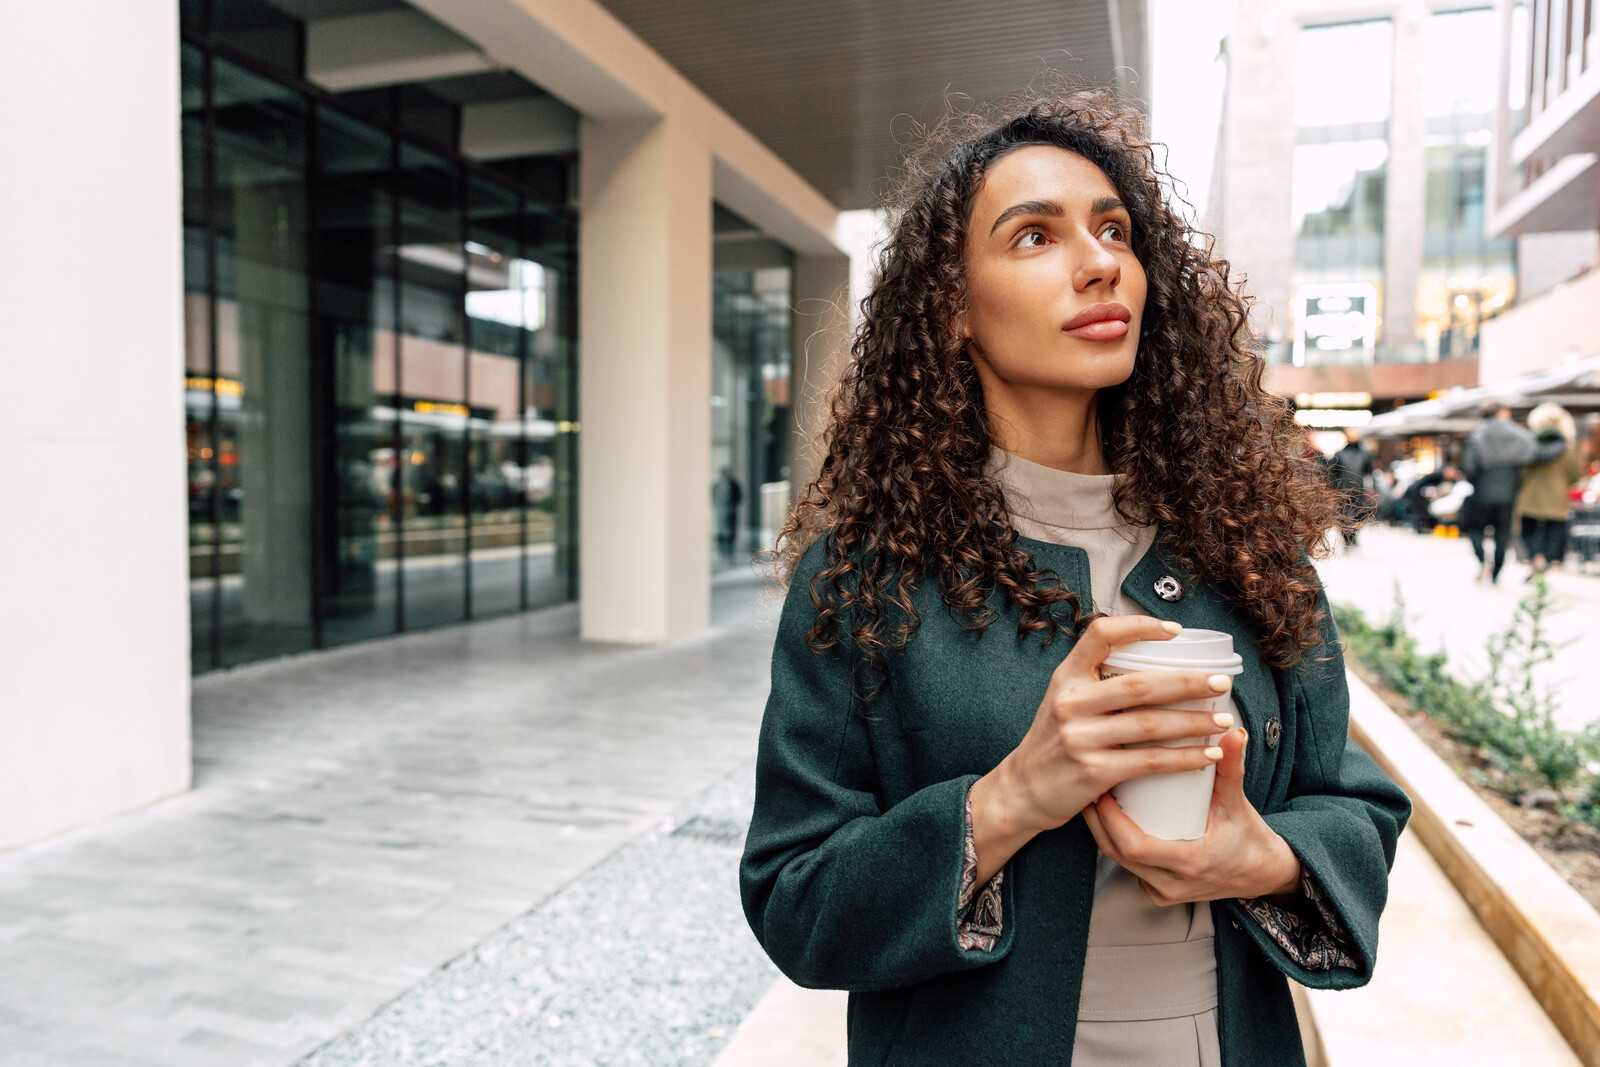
<point x="903" y="494"/>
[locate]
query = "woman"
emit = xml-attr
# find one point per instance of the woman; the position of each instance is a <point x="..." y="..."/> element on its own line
<point x="1542" y="500"/>
<point x="1052" y="440"/>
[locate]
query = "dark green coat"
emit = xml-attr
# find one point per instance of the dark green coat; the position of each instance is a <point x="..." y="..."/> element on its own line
<point x="853" y="862"/>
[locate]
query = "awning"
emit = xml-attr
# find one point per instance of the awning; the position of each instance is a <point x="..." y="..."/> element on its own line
<point x="1575" y="386"/>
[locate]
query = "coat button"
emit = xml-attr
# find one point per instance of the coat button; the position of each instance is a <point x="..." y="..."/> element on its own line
<point x="1169" y="588"/>
<point x="1273" y="731"/>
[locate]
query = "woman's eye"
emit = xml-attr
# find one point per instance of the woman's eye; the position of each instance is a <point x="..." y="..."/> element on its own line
<point x="1114" y="232"/>
<point x="1031" y="239"/>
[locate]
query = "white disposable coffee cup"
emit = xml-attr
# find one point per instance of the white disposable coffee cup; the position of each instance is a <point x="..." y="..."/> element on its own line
<point x="1175" y="806"/>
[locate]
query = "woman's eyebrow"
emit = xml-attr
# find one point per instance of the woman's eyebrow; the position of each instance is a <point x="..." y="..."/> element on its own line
<point x="1028" y="207"/>
<point x="1054" y="210"/>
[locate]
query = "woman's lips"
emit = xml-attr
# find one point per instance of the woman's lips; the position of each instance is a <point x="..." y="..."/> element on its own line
<point x="1099" y="322"/>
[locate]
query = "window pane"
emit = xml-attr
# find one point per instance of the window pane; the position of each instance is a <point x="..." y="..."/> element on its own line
<point x="259" y="30"/>
<point x="550" y="406"/>
<point x="751" y="329"/>
<point x="1342" y="74"/>
<point x="431" y="395"/>
<point x="1458" y="56"/>
<point x="355" y="300"/>
<point x="263" y="368"/>
<point x="198" y="396"/>
<point x="498" y="312"/>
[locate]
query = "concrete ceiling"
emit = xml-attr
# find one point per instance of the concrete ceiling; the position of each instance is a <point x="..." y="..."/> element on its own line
<point x="830" y="85"/>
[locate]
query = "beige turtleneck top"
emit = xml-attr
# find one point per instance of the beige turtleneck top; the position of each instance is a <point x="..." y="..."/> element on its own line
<point x="1149" y="988"/>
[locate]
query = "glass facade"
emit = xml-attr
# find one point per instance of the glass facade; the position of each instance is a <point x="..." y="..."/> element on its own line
<point x="752" y="337"/>
<point x="1466" y="277"/>
<point x="1338" y="196"/>
<point x="380" y="367"/>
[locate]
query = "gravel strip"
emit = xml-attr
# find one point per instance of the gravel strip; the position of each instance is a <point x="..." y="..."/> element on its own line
<point x="644" y="959"/>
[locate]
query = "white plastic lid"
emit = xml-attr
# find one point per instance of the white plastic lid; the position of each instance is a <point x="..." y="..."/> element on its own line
<point x="1191" y="650"/>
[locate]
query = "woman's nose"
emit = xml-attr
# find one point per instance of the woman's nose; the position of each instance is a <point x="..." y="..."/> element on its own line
<point x="1096" y="265"/>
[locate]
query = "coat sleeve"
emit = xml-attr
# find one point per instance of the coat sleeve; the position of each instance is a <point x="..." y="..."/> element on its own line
<point x="1342" y="816"/>
<point x="843" y="890"/>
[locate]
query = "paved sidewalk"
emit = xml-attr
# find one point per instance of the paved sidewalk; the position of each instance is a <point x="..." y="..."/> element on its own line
<point x="1449" y="609"/>
<point x="360" y="818"/>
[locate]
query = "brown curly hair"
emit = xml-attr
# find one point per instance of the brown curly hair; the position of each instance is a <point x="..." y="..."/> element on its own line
<point x="903" y="494"/>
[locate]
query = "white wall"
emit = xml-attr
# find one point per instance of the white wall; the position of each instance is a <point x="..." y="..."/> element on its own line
<point x="94" y="629"/>
<point x="1553" y="328"/>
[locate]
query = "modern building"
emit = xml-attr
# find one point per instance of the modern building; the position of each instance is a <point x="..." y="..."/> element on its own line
<point x="1540" y="192"/>
<point x="335" y="319"/>
<point x="1351" y="194"/>
<point x="1544" y="183"/>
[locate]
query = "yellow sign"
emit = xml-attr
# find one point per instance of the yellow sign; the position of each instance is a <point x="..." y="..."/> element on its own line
<point x="430" y="407"/>
<point x="224" y="386"/>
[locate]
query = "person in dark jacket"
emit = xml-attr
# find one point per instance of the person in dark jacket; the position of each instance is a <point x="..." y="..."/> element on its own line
<point x="1492" y="460"/>
<point x="1051" y="415"/>
<point x="1350" y="471"/>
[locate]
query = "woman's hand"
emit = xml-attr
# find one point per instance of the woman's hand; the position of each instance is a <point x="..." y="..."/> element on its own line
<point x="1240" y="855"/>
<point x="1073" y="752"/>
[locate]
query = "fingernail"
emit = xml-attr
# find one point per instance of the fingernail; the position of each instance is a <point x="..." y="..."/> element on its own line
<point x="1223" y="720"/>
<point x="1246" y="735"/>
<point x="1214" y="752"/>
<point x="1172" y="627"/>
<point x="1220" y="683"/>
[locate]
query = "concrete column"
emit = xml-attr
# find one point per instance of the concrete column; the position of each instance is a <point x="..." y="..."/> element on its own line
<point x="822" y="335"/>
<point x="644" y="253"/>
<point x="94" y="628"/>
<point x="1405" y="186"/>
<point x="1259" y="143"/>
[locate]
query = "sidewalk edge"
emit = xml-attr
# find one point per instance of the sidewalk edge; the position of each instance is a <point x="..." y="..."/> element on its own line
<point x="1547" y="931"/>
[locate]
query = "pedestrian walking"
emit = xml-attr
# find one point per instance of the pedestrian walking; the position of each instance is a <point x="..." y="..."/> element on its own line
<point x="1350" y="470"/>
<point x="1543" y="500"/>
<point x="1492" y="460"/>
<point x="1053" y="441"/>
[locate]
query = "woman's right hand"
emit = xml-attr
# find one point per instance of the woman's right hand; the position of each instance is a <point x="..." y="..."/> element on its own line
<point x="1073" y="754"/>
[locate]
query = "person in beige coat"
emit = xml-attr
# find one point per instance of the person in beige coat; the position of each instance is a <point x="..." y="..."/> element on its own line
<point x="1542" y="501"/>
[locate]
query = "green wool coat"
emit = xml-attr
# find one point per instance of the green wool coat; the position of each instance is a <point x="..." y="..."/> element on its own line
<point x="853" y="862"/>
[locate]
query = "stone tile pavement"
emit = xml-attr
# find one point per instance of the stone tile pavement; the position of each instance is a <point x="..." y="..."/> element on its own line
<point x="359" y="819"/>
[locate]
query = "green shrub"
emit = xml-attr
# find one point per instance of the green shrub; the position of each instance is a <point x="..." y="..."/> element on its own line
<point x="1507" y="716"/>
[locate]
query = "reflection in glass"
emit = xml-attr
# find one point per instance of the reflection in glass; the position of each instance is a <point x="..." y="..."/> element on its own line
<point x="550" y="406"/>
<point x="198" y="396"/>
<point x="1337" y="205"/>
<point x="498" y="311"/>
<point x="751" y="331"/>
<point x="262" y="367"/>
<point x="430" y="393"/>
<point x="355" y="303"/>
<point x="379" y="363"/>
<point x="1466" y="277"/>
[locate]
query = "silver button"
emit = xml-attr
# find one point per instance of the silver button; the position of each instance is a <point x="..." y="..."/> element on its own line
<point x="1169" y="588"/>
<point x="1273" y="731"/>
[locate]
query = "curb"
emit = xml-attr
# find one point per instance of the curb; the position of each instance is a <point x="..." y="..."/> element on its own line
<point x="1547" y="931"/>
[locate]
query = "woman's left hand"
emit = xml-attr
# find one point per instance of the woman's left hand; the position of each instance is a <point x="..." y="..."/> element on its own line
<point x="1239" y="856"/>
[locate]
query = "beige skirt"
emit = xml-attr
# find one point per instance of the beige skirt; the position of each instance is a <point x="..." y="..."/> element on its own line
<point x="1139" y="1006"/>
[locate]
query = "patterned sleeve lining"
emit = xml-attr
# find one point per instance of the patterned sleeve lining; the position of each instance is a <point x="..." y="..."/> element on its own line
<point x="1314" y="937"/>
<point x="978" y="920"/>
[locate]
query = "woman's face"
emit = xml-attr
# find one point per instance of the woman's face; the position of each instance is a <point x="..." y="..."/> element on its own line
<point x="1054" y="291"/>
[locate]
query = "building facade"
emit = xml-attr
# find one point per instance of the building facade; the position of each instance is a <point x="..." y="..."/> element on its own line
<point x="1354" y="159"/>
<point x="339" y="319"/>
<point x="1544" y="187"/>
